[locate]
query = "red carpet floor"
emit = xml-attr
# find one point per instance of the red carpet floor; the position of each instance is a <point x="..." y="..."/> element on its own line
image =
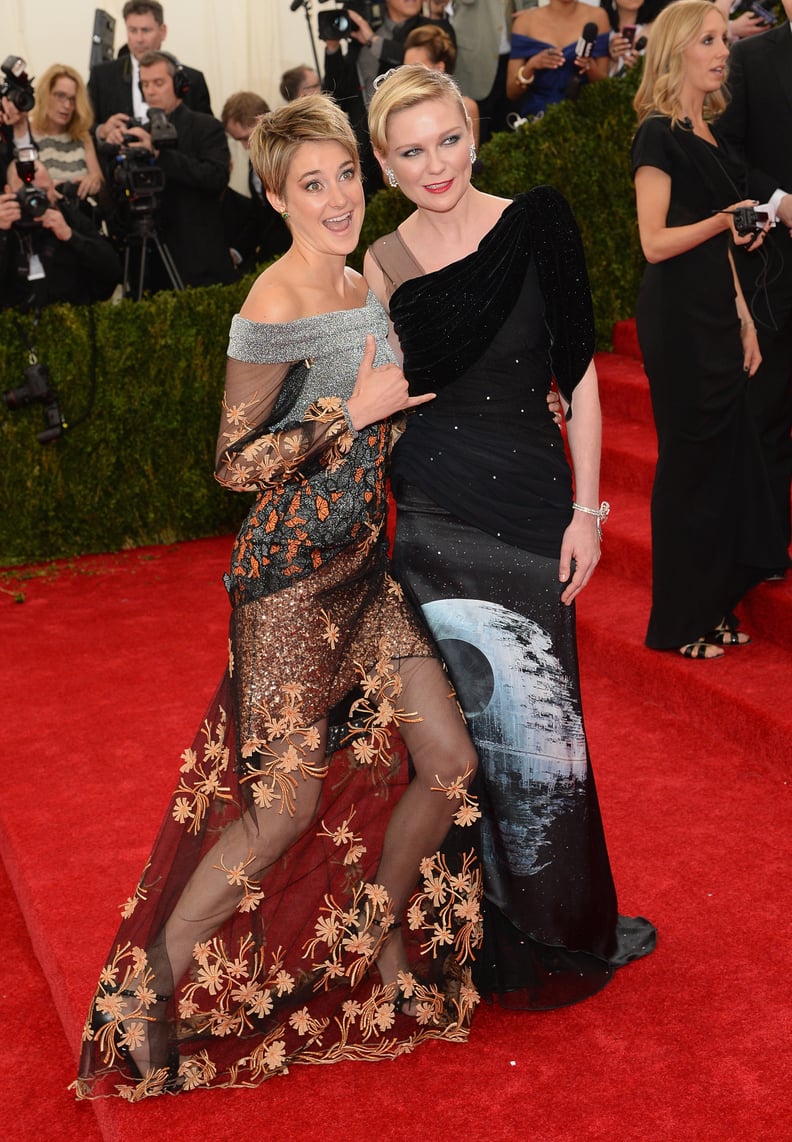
<point x="106" y="668"/>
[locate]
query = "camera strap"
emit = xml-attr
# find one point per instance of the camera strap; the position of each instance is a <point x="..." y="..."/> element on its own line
<point x="32" y="267"/>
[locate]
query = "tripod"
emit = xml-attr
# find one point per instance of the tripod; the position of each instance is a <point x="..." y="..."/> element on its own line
<point x="144" y="235"/>
<point x="306" y="4"/>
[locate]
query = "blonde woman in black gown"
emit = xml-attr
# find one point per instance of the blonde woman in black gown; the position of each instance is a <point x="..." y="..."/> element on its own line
<point x="714" y="533"/>
<point x="489" y="299"/>
<point x="284" y="868"/>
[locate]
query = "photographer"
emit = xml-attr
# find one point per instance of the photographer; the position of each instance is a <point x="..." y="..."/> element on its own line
<point x="49" y="251"/>
<point x="370" y="51"/>
<point x="113" y="87"/>
<point x="16" y="100"/>
<point x="195" y="169"/>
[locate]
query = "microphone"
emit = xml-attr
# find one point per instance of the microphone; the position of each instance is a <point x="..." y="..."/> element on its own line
<point x="583" y="49"/>
<point x="640" y="44"/>
<point x="295" y="4"/>
<point x="585" y="45"/>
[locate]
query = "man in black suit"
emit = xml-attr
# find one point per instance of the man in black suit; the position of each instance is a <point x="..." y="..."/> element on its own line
<point x="254" y="229"/>
<point x="350" y="75"/>
<point x="114" y="88"/>
<point x="189" y="217"/>
<point x="758" y="121"/>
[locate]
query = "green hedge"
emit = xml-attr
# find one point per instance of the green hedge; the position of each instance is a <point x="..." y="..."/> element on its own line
<point x="138" y="469"/>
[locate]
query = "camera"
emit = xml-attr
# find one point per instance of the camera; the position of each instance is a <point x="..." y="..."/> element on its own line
<point x="764" y="14"/>
<point x="749" y="219"/>
<point x="38" y="388"/>
<point x="33" y="201"/>
<point x="136" y="177"/>
<point x="16" y="86"/>
<point x="336" y="25"/>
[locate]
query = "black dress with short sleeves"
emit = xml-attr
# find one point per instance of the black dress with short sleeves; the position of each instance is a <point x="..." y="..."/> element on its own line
<point x="713" y="530"/>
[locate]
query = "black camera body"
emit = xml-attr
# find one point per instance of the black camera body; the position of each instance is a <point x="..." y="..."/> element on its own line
<point x="38" y="389"/>
<point x="33" y="201"/>
<point x="17" y="86"/>
<point x="750" y="219"/>
<point x="137" y="179"/>
<point x="336" y="25"/>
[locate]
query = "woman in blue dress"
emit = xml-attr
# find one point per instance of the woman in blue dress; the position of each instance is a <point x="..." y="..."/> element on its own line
<point x="545" y="65"/>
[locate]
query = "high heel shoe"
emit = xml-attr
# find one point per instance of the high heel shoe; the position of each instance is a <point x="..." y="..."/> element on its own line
<point x="116" y="1041"/>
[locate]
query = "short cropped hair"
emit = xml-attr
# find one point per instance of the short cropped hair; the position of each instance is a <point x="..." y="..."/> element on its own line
<point x="290" y="82"/>
<point x="142" y="8"/>
<point x="660" y="88"/>
<point x="82" y="116"/>
<point x="277" y="136"/>
<point x="405" y="87"/>
<point x="243" y="107"/>
<point x="148" y="59"/>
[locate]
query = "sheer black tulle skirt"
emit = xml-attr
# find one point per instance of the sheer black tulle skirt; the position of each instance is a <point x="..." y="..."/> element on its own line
<point x="552" y="933"/>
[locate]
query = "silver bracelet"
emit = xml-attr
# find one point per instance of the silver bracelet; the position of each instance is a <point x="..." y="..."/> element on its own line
<point x="602" y="513"/>
<point x="348" y="418"/>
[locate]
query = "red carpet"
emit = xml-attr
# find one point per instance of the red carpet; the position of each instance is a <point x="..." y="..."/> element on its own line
<point x="106" y="668"/>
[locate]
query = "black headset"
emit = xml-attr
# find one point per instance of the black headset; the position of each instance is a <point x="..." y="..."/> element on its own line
<point x="181" y="83"/>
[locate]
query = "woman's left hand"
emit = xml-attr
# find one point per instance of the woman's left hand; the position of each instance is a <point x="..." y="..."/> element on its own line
<point x="580" y="544"/>
<point x="88" y="185"/>
<point x="554" y="406"/>
<point x="752" y="357"/>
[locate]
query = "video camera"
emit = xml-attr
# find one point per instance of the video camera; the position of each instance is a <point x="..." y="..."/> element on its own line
<point x="336" y="25"/>
<point x="137" y="180"/>
<point x="33" y="201"/>
<point x="17" y="86"/>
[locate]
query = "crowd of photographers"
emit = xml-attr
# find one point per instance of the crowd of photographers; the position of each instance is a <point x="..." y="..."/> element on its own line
<point x="123" y="184"/>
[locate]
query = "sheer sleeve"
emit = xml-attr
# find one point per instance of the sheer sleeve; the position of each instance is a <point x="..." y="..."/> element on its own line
<point x="263" y="440"/>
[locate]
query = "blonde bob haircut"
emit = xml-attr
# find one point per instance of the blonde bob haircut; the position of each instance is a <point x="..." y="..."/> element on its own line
<point x="405" y="87"/>
<point x="280" y="133"/>
<point x="674" y="30"/>
<point x="82" y="116"/>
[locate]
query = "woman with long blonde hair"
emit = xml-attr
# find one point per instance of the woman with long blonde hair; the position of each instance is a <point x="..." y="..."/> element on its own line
<point x="711" y="510"/>
<point x="61" y="124"/>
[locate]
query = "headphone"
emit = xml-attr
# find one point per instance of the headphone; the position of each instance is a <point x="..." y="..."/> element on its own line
<point x="181" y="83"/>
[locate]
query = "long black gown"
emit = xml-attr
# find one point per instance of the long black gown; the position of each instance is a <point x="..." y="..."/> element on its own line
<point x="484" y="495"/>
<point x="714" y="533"/>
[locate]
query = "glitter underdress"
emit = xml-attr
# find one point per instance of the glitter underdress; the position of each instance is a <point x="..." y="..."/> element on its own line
<point x="484" y="495"/>
<point x="315" y="627"/>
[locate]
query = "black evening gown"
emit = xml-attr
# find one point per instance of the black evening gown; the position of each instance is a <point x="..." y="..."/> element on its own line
<point x="714" y="533"/>
<point x="484" y="494"/>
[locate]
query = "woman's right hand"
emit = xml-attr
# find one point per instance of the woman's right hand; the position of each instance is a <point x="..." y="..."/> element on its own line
<point x="548" y="59"/>
<point x="380" y="390"/>
<point x="755" y="238"/>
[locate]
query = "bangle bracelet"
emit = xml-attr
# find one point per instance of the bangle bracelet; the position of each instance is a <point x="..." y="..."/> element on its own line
<point x="523" y="79"/>
<point x="348" y="418"/>
<point x="602" y="513"/>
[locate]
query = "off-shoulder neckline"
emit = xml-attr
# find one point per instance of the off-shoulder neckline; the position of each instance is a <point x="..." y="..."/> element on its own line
<point x="313" y="317"/>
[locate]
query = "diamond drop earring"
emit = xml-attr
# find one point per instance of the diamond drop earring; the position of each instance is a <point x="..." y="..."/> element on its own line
<point x="391" y="177"/>
<point x="472" y="153"/>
